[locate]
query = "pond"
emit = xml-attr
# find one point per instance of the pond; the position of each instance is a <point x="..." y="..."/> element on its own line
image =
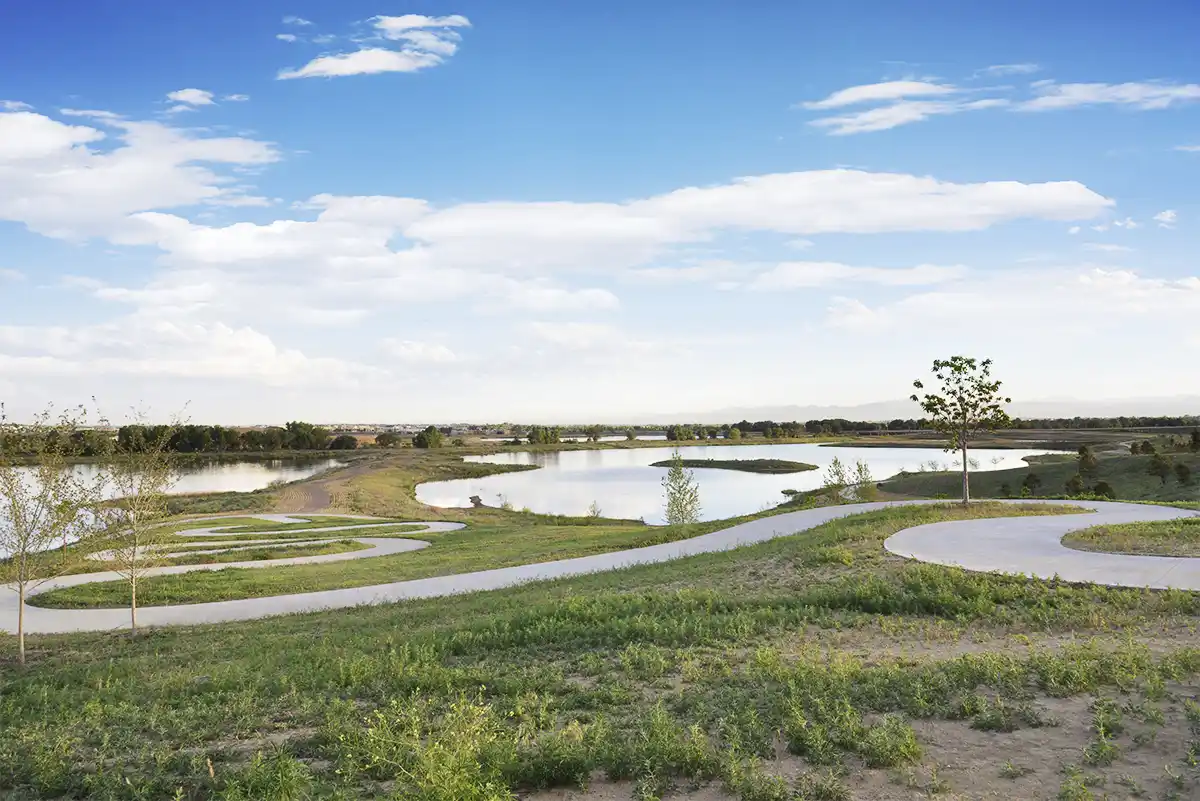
<point x="233" y="475"/>
<point x="623" y="484"/>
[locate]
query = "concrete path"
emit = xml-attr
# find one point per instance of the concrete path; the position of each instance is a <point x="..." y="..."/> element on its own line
<point x="1024" y="545"/>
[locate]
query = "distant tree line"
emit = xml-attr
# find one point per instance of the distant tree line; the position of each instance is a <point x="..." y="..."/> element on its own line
<point x="295" y="436"/>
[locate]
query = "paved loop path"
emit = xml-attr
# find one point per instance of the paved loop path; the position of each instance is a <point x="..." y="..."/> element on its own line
<point x="1024" y="545"/>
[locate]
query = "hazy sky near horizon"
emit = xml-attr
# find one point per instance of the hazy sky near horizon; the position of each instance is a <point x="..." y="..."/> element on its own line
<point x="478" y="210"/>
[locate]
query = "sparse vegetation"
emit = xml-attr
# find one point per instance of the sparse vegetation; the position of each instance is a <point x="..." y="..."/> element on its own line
<point x="743" y="465"/>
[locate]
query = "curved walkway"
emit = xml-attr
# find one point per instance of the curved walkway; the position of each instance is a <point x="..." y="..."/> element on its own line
<point x="1026" y="545"/>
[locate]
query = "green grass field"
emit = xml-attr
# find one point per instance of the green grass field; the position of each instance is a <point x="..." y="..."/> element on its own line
<point x="253" y="554"/>
<point x="810" y="667"/>
<point x="1127" y="475"/>
<point x="1167" y="538"/>
<point x="744" y="465"/>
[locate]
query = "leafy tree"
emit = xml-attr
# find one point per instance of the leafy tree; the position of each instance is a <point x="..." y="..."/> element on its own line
<point x="140" y="479"/>
<point x="344" y="442"/>
<point x="1148" y="448"/>
<point x="1195" y="443"/>
<point x="1005" y="490"/>
<point x="388" y="439"/>
<point x="680" y="433"/>
<point x="42" y="505"/>
<point x="1031" y="484"/>
<point x="1087" y="460"/>
<point x="967" y="403"/>
<point x="544" y="435"/>
<point x="1183" y="473"/>
<point x="594" y="433"/>
<point x="630" y="435"/>
<point x="431" y="437"/>
<point x="1104" y="489"/>
<point x="1075" y="485"/>
<point x="458" y="442"/>
<point x="734" y="433"/>
<point x="1159" y="467"/>
<point x="836" y="479"/>
<point x="1135" y="448"/>
<point x="682" y="493"/>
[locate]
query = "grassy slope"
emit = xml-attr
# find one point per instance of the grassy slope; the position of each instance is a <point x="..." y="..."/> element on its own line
<point x="676" y="672"/>
<point x="267" y="553"/>
<point x="744" y="465"/>
<point x="1168" y="538"/>
<point x="1126" y="474"/>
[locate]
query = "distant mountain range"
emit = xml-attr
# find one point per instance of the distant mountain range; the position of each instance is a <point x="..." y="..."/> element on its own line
<point x="889" y="410"/>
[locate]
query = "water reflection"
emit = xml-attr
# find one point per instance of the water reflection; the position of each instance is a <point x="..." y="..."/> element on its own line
<point x="623" y="484"/>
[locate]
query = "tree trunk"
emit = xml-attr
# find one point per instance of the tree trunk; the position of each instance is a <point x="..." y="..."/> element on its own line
<point x="966" y="499"/>
<point x="21" y="623"/>
<point x="133" y="606"/>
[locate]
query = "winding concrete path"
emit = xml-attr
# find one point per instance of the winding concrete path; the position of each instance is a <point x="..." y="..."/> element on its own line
<point x="1024" y="545"/>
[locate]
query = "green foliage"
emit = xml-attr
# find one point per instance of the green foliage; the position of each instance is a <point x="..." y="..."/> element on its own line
<point x="544" y="435"/>
<point x="431" y="437"/>
<point x="388" y="439"/>
<point x="1159" y="466"/>
<point x="1087" y="460"/>
<point x="1075" y="485"/>
<point x="682" y="494"/>
<point x="968" y="402"/>
<point x="1104" y="489"/>
<point x="344" y="442"/>
<point x="1183" y="473"/>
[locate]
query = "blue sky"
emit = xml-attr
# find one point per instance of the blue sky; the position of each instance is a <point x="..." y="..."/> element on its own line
<point x="364" y="211"/>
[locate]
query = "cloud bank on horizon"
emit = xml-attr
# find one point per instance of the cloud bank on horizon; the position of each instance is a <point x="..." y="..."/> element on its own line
<point x="432" y="236"/>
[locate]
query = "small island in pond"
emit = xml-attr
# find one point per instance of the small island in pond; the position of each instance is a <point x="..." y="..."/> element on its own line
<point x="745" y="465"/>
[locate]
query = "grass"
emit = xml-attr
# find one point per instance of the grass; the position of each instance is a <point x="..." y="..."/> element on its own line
<point x="268" y="553"/>
<point x="745" y="465"/>
<point x="1166" y="538"/>
<point x="688" y="672"/>
<point x="1127" y="475"/>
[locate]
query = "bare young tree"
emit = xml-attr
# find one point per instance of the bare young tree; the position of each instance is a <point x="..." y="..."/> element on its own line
<point x="967" y="403"/>
<point x="141" y="473"/>
<point x="45" y="504"/>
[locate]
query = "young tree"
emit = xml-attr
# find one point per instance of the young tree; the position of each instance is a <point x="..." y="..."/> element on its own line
<point x="1159" y="467"/>
<point x="682" y="494"/>
<point x="734" y="433"/>
<point x="1135" y="448"/>
<point x="1103" y="488"/>
<point x="1075" y="485"/>
<point x="42" y="504"/>
<point x="1087" y="460"/>
<point x="1183" y="473"/>
<point x="140" y="480"/>
<point x="836" y="479"/>
<point x="967" y="403"/>
<point x="865" y="488"/>
<point x="1031" y="484"/>
<point x="594" y="510"/>
<point x="388" y="439"/>
<point x="630" y="435"/>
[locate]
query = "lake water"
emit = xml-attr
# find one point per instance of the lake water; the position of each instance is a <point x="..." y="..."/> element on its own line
<point x="624" y="485"/>
<point x="233" y="476"/>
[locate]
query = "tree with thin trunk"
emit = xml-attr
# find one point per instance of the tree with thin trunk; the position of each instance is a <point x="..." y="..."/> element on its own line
<point x="682" y="494"/>
<point x="140" y="478"/>
<point x="45" y="504"/>
<point x="967" y="403"/>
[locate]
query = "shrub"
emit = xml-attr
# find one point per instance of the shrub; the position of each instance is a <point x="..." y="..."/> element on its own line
<point x="343" y="442"/>
<point x="1103" y="488"/>
<point x="429" y="438"/>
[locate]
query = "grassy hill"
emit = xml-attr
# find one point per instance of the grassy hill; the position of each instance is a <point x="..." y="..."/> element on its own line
<point x="1126" y="474"/>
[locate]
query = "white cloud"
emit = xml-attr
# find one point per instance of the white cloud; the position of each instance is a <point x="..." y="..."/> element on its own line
<point x="424" y="42"/>
<point x="1189" y="148"/>
<point x="411" y="352"/>
<point x="1139" y="95"/>
<point x="286" y="37"/>
<point x="853" y="315"/>
<point x="14" y="105"/>
<point x="191" y="97"/>
<point x="236" y="98"/>
<point x="298" y="21"/>
<point x="902" y="113"/>
<point x="876" y="92"/>
<point x="1107" y="247"/>
<point x="9" y="274"/>
<point x="575" y="336"/>
<point x="140" y="346"/>
<point x="1128" y="224"/>
<point x="807" y="274"/>
<point x="57" y="179"/>
<point x="1166" y="219"/>
<point x="1074" y="229"/>
<point x="1000" y="70"/>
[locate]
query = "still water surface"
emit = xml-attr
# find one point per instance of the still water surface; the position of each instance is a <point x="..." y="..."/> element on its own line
<point x="624" y="485"/>
<point x="232" y="476"/>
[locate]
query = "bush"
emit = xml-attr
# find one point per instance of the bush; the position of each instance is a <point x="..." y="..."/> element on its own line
<point x="343" y="442"/>
<point x="429" y="438"/>
<point x="1104" y="489"/>
<point x="1075" y="485"/>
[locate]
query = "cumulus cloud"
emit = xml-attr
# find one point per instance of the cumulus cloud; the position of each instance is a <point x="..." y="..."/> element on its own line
<point x="876" y="92"/>
<point x="14" y="105"/>
<point x="1166" y="219"/>
<point x="191" y="97"/>
<point x="297" y="21"/>
<point x="902" y="113"/>
<point x="71" y="181"/>
<point x="286" y="37"/>
<point x="423" y="42"/>
<point x="1000" y="70"/>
